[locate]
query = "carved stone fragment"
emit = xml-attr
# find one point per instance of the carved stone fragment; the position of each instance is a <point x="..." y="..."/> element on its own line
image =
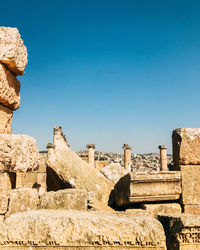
<point x="13" y="52"/>
<point x="9" y="89"/>
<point x="141" y="187"/>
<point x="83" y="230"/>
<point x="182" y="232"/>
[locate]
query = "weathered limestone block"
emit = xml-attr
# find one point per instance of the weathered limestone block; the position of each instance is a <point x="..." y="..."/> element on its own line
<point x="182" y="232"/>
<point x="191" y="209"/>
<point x="71" y="198"/>
<point x="9" y="89"/>
<point x="141" y="187"/>
<point x="186" y="146"/>
<point x="76" y="230"/>
<point x="22" y="199"/>
<point x="18" y="153"/>
<point x="162" y="209"/>
<point x="5" y="120"/>
<point x="190" y="184"/>
<point x="113" y="172"/>
<point x="5" y="188"/>
<point x="72" y="169"/>
<point x="3" y="203"/>
<point x="13" y="52"/>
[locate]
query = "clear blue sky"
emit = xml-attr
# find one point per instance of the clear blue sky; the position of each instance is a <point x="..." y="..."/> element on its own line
<point x="108" y="71"/>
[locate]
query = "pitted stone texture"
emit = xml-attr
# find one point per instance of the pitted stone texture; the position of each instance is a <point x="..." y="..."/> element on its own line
<point x="75" y="199"/>
<point x="86" y="230"/>
<point x="9" y="89"/>
<point x="18" y="153"/>
<point x="73" y="170"/>
<point x="13" y="52"/>
<point x="190" y="184"/>
<point x="113" y="172"/>
<point x="186" y="146"/>
<point x="5" y="120"/>
<point x="22" y="199"/>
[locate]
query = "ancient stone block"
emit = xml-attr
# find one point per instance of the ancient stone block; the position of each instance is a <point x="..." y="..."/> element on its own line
<point x="191" y="209"/>
<point x="182" y="232"/>
<point x="162" y="208"/>
<point x="154" y="186"/>
<point x="99" y="206"/>
<point x="72" y="169"/>
<point x="190" y="184"/>
<point x="71" y="198"/>
<point x="9" y="89"/>
<point x="13" y="52"/>
<point x="5" y="183"/>
<point x="18" y="153"/>
<point x="186" y="146"/>
<point x="3" y="203"/>
<point x="84" y="230"/>
<point x="5" y="120"/>
<point x="113" y="172"/>
<point x="22" y="199"/>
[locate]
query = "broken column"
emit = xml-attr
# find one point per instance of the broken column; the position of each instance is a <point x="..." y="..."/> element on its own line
<point x="68" y="166"/>
<point x="127" y="157"/>
<point x="91" y="148"/>
<point x="186" y="157"/>
<point x="163" y="158"/>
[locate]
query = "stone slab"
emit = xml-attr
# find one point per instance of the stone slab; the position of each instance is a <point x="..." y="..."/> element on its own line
<point x="18" y="153"/>
<point x="182" y="232"/>
<point x="186" y="146"/>
<point x="190" y="184"/>
<point x="5" y="120"/>
<point x="142" y="187"/>
<point x="13" y="52"/>
<point x="162" y="208"/>
<point x="9" y="89"/>
<point x="94" y="230"/>
<point x="100" y="164"/>
<point x="99" y="206"/>
<point x="67" y="199"/>
<point x="22" y="199"/>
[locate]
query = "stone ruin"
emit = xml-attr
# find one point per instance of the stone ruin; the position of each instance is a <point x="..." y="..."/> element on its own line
<point x="63" y="201"/>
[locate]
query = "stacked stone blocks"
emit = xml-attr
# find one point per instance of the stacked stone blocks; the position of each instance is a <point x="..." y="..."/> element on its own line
<point x="186" y="155"/>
